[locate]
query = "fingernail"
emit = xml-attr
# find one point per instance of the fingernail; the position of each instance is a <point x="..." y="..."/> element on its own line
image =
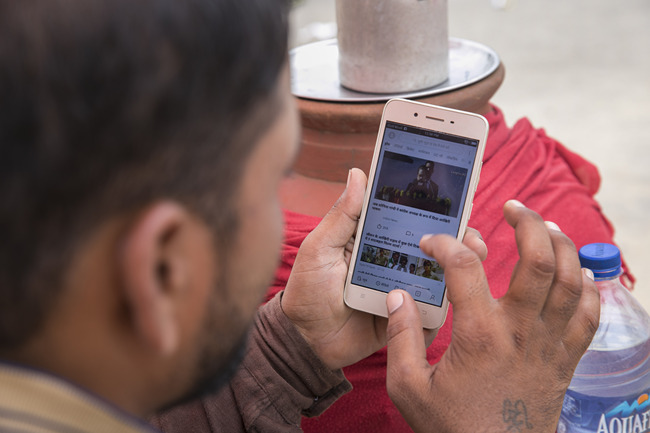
<point x="394" y="301"/>
<point x="589" y="273"/>
<point x="516" y="203"/>
<point x="551" y="225"/>
<point x="425" y="238"/>
<point x="347" y="182"/>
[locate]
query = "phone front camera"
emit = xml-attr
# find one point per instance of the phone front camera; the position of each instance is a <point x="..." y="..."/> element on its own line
<point x="415" y="114"/>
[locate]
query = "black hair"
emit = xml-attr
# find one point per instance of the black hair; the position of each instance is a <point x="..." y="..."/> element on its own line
<point x="109" y="105"/>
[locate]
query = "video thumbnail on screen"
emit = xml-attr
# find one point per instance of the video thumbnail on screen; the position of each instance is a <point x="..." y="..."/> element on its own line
<point x="421" y="184"/>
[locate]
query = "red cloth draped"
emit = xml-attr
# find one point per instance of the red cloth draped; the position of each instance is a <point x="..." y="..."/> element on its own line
<point x="519" y="162"/>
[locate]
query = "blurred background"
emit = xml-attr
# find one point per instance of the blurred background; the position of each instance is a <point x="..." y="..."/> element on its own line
<point x="580" y="69"/>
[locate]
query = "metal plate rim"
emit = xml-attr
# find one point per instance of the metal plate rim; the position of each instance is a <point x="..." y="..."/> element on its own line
<point x="320" y="81"/>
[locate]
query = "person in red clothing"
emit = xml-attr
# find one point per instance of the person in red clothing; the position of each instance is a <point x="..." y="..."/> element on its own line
<point x="521" y="162"/>
<point x="142" y="146"/>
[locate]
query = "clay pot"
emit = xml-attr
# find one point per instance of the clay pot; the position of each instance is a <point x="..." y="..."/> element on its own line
<point x="338" y="136"/>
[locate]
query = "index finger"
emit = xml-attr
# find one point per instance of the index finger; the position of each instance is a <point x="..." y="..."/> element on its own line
<point x="467" y="286"/>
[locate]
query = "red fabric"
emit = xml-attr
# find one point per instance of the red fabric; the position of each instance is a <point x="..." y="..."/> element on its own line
<point x="519" y="162"/>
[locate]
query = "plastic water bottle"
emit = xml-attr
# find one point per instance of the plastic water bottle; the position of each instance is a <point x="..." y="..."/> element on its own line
<point x="610" y="390"/>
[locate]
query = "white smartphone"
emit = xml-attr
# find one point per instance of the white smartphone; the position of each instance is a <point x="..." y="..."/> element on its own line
<point x="422" y="180"/>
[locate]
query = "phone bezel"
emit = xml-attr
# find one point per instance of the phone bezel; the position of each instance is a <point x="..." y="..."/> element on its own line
<point x="441" y="119"/>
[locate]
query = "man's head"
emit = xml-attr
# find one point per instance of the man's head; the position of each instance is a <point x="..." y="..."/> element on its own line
<point x="429" y="166"/>
<point x="422" y="173"/>
<point x="133" y="137"/>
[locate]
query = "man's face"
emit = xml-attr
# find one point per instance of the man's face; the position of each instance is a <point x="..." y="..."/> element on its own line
<point x="246" y="269"/>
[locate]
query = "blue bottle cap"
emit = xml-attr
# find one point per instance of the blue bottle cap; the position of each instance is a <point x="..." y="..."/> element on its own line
<point x="603" y="259"/>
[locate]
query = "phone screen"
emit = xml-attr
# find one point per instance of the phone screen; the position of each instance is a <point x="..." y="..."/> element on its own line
<point x="421" y="183"/>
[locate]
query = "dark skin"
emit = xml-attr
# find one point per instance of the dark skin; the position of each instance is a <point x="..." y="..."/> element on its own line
<point x="141" y="286"/>
<point x="510" y="358"/>
<point x="523" y="347"/>
<point x="313" y="298"/>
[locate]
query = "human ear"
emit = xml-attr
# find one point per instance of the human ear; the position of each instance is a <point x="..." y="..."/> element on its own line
<point x="153" y="271"/>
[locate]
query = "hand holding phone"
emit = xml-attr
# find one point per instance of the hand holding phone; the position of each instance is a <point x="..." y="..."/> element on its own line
<point x="313" y="297"/>
<point x="422" y="180"/>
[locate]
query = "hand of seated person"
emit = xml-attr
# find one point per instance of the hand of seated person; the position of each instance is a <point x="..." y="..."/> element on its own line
<point x="510" y="359"/>
<point x="313" y="297"/>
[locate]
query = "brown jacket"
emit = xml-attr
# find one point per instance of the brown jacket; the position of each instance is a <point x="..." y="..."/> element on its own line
<point x="280" y="380"/>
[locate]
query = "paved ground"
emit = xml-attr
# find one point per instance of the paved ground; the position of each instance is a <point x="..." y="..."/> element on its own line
<point x="581" y="70"/>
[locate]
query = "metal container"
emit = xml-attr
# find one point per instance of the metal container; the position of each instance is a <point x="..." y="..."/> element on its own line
<point x="392" y="45"/>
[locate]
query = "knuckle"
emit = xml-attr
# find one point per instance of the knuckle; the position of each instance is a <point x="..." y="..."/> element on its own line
<point x="564" y="241"/>
<point x="464" y="259"/>
<point x="571" y="284"/>
<point x="520" y="339"/>
<point x="567" y="308"/>
<point x="396" y="329"/>
<point x="542" y="264"/>
<point x="401" y="375"/>
<point x="481" y="342"/>
<point x="339" y="208"/>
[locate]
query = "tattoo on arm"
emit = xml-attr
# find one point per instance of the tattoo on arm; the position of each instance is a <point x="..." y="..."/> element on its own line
<point x="515" y="416"/>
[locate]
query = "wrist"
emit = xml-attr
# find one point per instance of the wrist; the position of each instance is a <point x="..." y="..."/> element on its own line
<point x="306" y="336"/>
